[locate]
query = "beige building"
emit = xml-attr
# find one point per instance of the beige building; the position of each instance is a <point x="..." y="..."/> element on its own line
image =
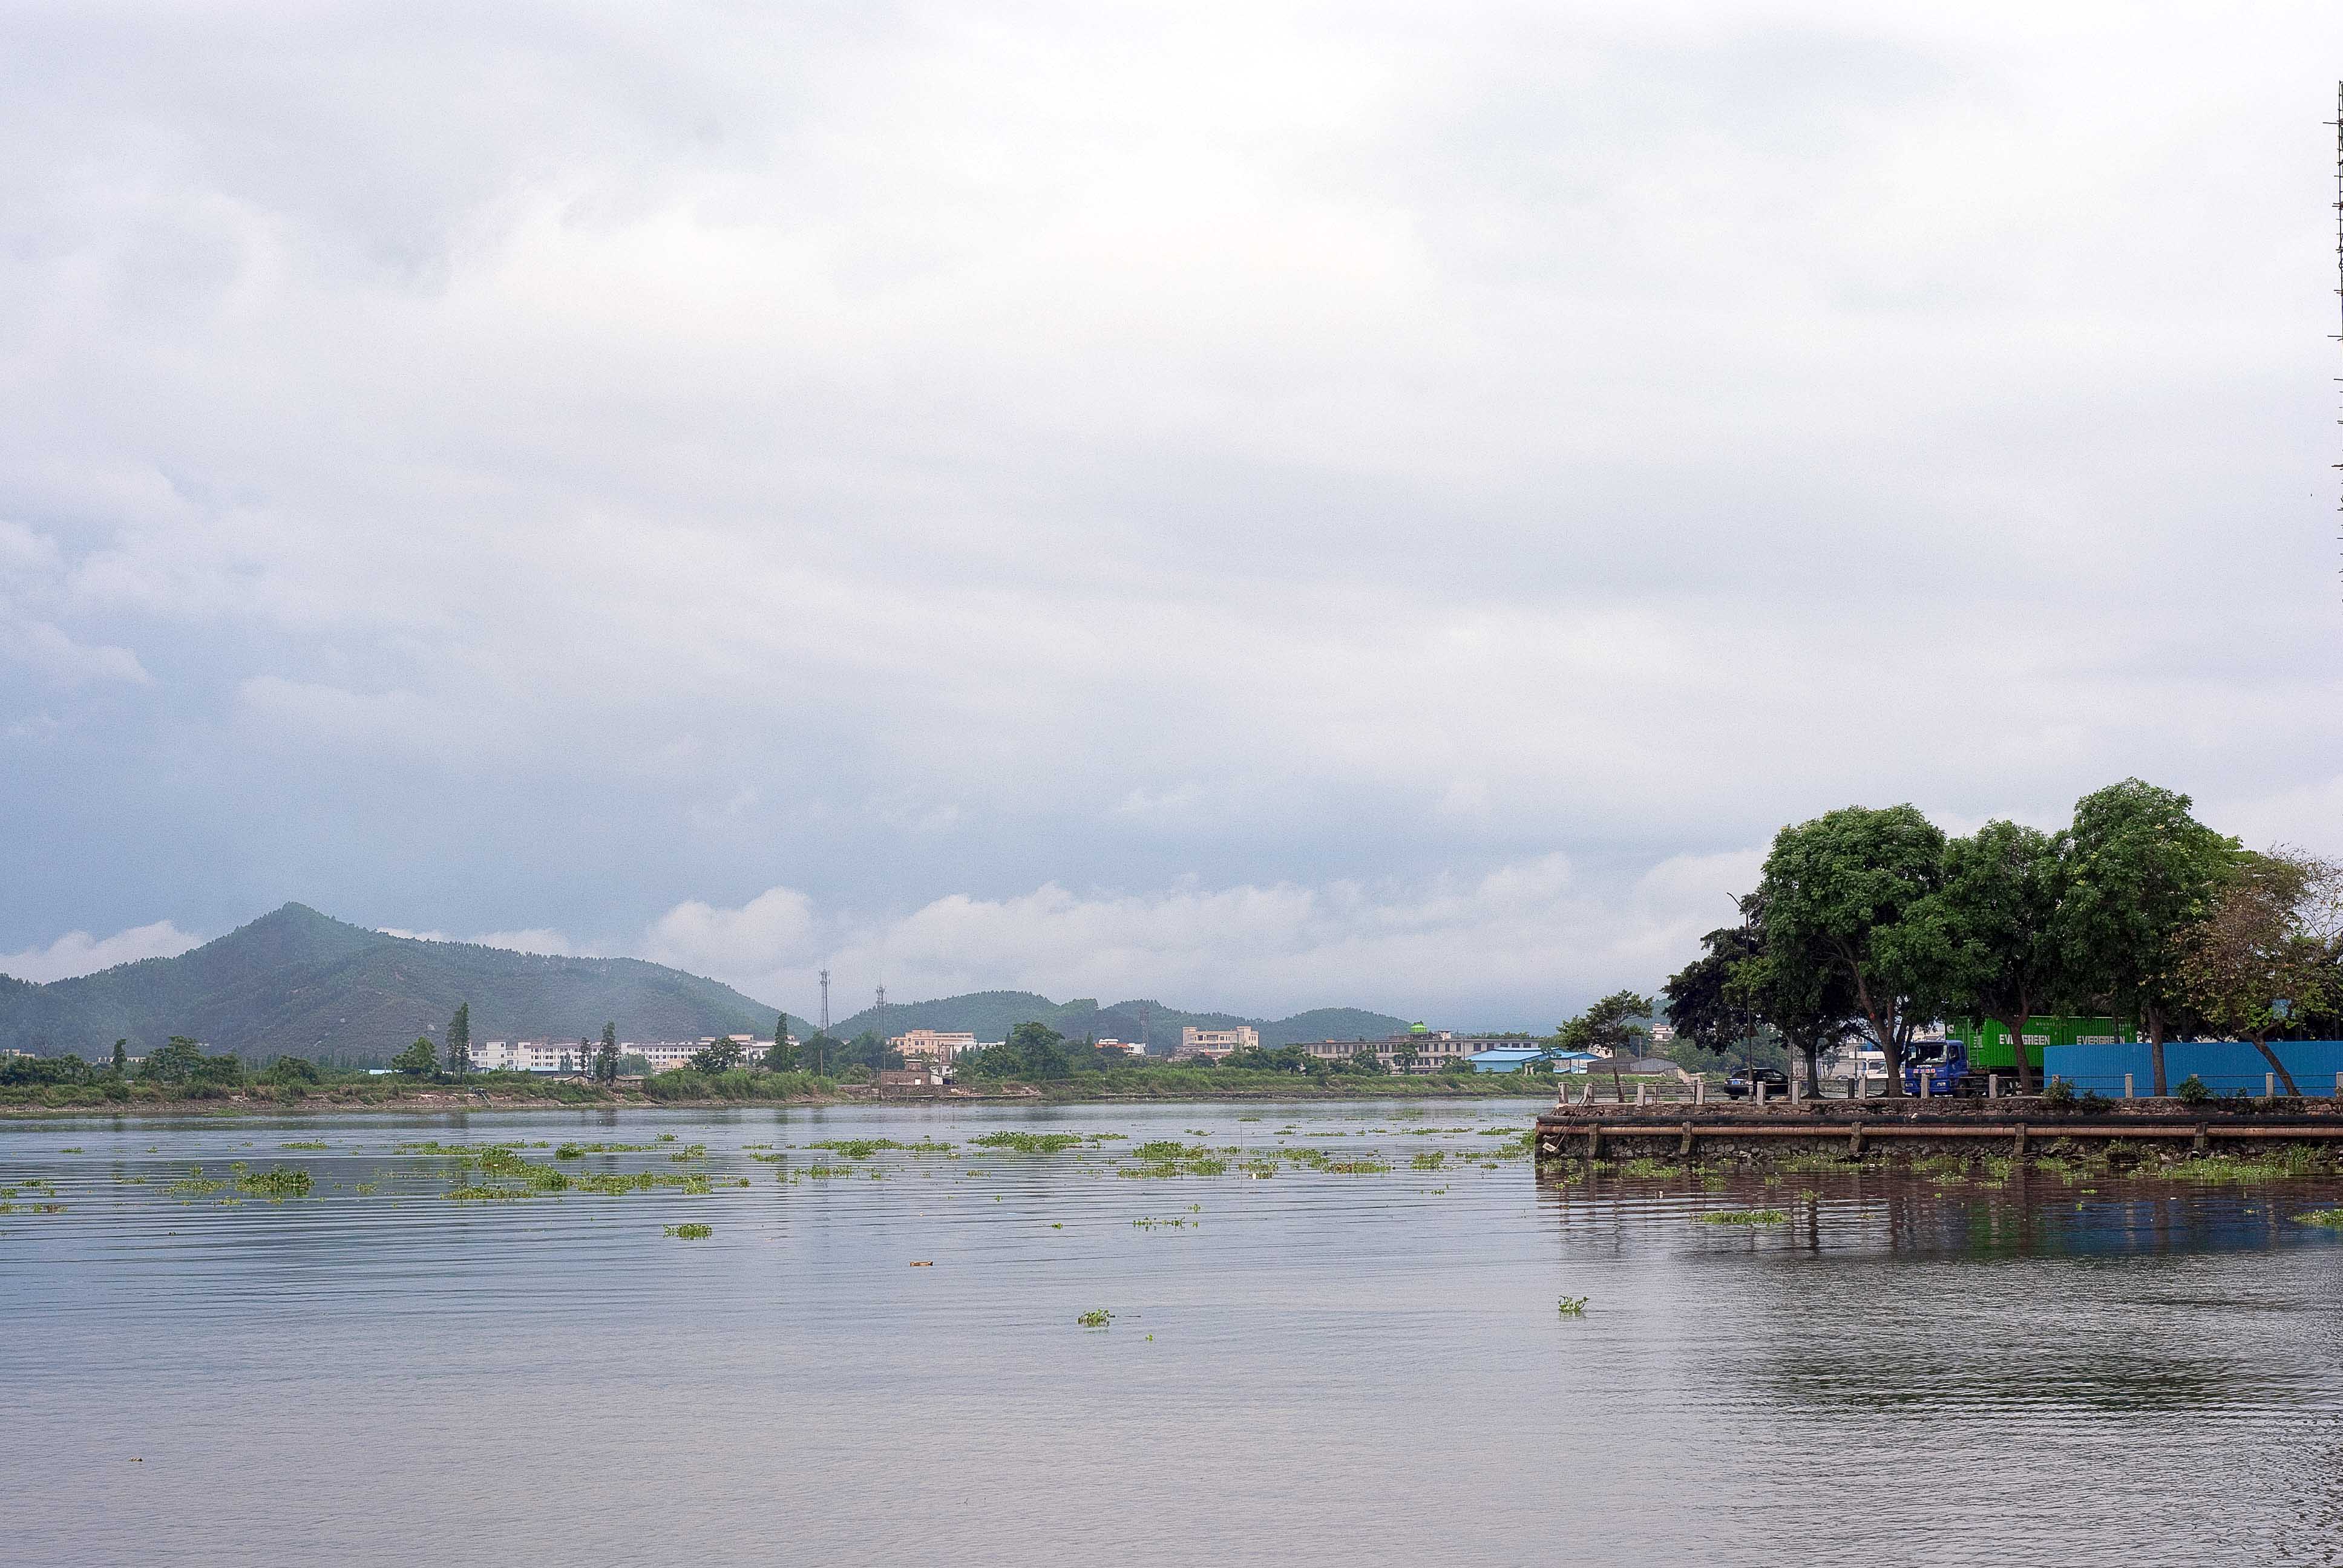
<point x="1214" y="1043"/>
<point x="932" y="1043"/>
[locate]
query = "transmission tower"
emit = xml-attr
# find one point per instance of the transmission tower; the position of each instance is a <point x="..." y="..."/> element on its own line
<point x="825" y="1001"/>
<point x="883" y="996"/>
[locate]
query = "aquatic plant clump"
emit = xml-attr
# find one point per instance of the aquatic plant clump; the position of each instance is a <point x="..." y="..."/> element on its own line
<point x="1097" y="1318"/>
<point x="1744" y="1217"/>
<point x="688" y="1232"/>
<point x="1031" y="1142"/>
<point x="1572" y="1306"/>
<point x="615" y="1183"/>
<point x="276" y="1184"/>
<point x="864" y="1148"/>
<point x="2331" y="1218"/>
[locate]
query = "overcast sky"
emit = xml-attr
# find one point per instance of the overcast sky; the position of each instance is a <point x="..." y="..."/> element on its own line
<point x="1257" y="506"/>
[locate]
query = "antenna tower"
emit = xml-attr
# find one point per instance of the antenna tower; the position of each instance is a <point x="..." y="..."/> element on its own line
<point x="882" y="995"/>
<point x="825" y="1001"/>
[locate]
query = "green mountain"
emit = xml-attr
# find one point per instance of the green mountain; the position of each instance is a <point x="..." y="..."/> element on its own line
<point x="991" y="1014"/>
<point x="299" y="982"/>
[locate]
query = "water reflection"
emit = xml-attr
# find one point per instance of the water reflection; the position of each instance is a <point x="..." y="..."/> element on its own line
<point x="1339" y="1344"/>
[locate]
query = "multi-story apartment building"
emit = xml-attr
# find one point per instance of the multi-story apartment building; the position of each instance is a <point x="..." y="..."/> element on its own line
<point x="1214" y="1043"/>
<point x="936" y="1044"/>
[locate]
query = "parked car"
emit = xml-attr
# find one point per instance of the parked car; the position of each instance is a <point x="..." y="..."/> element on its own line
<point x="1743" y="1082"/>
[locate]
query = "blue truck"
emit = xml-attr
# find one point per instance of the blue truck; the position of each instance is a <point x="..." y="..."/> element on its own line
<point x="1941" y="1068"/>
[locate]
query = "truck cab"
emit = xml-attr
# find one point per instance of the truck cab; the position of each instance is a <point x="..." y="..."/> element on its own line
<point x="1941" y="1064"/>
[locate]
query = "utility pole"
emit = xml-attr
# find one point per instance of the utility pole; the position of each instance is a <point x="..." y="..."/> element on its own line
<point x="825" y="1001"/>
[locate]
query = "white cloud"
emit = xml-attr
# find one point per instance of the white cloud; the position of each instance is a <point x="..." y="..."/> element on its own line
<point x="758" y="939"/>
<point x="79" y="954"/>
<point x="919" y="456"/>
<point x="1521" y="942"/>
<point x="44" y="646"/>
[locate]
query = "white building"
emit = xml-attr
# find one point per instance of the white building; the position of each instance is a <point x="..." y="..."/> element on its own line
<point x="1214" y="1043"/>
<point x="1127" y="1047"/>
<point x="531" y="1056"/>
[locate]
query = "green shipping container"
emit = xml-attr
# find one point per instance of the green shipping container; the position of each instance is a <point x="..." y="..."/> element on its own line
<point x="1988" y="1042"/>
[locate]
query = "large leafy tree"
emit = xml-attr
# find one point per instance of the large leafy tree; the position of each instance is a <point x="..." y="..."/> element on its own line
<point x="1835" y="893"/>
<point x="1703" y="1004"/>
<point x="2141" y="874"/>
<point x="1992" y="928"/>
<point x="417" y="1061"/>
<point x="1809" y="999"/>
<point x="2263" y="952"/>
<point x="721" y="1054"/>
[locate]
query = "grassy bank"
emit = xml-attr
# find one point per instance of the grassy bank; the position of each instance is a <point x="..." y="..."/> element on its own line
<point x="524" y="1091"/>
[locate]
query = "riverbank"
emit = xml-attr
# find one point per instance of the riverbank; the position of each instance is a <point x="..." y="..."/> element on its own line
<point x="2293" y="1136"/>
<point x="689" y="1091"/>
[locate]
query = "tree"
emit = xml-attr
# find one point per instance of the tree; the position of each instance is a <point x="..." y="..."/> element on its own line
<point x="417" y="1061"/>
<point x="782" y="1056"/>
<point x="2141" y="873"/>
<point x="183" y="1061"/>
<point x="1702" y="1003"/>
<point x="1835" y="893"/>
<point x="606" y="1058"/>
<point x="291" y="1069"/>
<point x="2262" y="952"/>
<point x="720" y="1055"/>
<point x="819" y="1051"/>
<point x="1994" y="925"/>
<point x="459" y="1041"/>
<point x="121" y="1058"/>
<point x="1609" y="1026"/>
<point x="1038" y="1050"/>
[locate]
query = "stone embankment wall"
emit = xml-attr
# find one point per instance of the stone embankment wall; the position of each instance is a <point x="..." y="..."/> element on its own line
<point x="1886" y="1131"/>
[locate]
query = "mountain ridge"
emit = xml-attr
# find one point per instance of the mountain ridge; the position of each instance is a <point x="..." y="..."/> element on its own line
<point x="296" y="981"/>
<point x="299" y="982"/>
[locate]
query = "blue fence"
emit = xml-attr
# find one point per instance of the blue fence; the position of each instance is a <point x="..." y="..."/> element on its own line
<point x="2226" y="1066"/>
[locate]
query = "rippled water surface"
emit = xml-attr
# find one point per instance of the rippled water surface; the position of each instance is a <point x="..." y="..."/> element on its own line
<point x="1327" y="1346"/>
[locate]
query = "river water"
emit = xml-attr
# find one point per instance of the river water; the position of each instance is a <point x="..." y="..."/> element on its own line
<point x="1332" y="1349"/>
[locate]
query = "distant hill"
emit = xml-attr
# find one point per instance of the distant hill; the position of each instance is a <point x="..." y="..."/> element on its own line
<point x="299" y="982"/>
<point x="991" y="1014"/>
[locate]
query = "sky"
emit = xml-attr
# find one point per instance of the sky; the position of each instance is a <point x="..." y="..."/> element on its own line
<point x="1255" y="506"/>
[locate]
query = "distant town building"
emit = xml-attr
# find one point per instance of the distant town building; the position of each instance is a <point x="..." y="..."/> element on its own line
<point x="1416" y="1049"/>
<point x="1127" y="1047"/>
<point x="1662" y="1033"/>
<point x="1213" y="1044"/>
<point x="932" y="1043"/>
<point x="574" y="1056"/>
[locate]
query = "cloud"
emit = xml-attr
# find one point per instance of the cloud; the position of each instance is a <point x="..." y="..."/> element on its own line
<point x="1526" y="943"/>
<point x="534" y="469"/>
<point x="79" y="954"/>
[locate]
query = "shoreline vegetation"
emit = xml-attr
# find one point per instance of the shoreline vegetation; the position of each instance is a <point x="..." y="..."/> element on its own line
<point x="687" y="1090"/>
